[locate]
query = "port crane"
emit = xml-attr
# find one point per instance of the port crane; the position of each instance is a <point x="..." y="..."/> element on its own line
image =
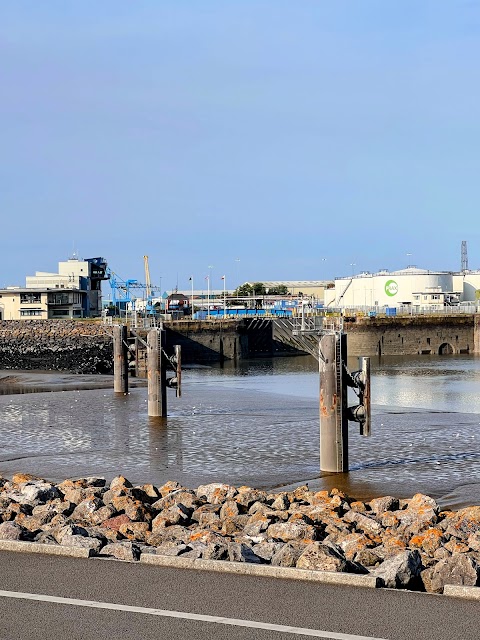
<point x="123" y="290"/>
<point x="149" y="310"/>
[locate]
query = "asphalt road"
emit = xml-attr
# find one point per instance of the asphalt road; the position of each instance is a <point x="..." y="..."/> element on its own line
<point x="99" y="599"/>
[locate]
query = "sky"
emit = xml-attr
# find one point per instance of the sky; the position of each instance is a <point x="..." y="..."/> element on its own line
<point x="256" y="140"/>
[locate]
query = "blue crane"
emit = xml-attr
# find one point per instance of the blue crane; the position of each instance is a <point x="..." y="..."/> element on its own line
<point x="122" y="290"/>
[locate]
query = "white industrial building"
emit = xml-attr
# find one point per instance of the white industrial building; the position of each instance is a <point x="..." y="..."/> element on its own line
<point x="410" y="288"/>
<point x="74" y="292"/>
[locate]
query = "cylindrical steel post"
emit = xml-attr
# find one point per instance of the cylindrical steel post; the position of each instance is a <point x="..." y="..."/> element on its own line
<point x="120" y="359"/>
<point x="333" y="421"/>
<point x="153" y="373"/>
<point x="178" y="359"/>
<point x="365" y="428"/>
<point x="163" y="372"/>
<point x="156" y="373"/>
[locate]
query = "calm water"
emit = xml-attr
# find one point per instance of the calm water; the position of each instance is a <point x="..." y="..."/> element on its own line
<point x="255" y="424"/>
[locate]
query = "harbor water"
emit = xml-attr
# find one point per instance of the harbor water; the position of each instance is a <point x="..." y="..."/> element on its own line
<point x="255" y="423"/>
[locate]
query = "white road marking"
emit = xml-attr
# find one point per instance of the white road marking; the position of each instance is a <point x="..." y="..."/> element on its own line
<point x="252" y="624"/>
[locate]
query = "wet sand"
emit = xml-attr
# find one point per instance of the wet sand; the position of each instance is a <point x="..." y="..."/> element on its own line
<point x="19" y="382"/>
<point x="231" y="433"/>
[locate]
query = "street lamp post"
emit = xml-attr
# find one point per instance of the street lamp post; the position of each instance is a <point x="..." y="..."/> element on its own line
<point x="210" y="267"/>
<point x="208" y="296"/>
<point x="237" y="261"/>
<point x="224" y="298"/>
<point x="191" y="279"/>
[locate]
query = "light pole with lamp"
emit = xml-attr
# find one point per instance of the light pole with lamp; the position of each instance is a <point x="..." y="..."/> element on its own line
<point x="191" y="280"/>
<point x="237" y="261"/>
<point x="353" y="265"/>
<point x="224" y="298"/>
<point x="208" y="296"/>
<point x="210" y="267"/>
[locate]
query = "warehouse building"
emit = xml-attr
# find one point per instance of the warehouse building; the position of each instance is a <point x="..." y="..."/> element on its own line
<point x="300" y="288"/>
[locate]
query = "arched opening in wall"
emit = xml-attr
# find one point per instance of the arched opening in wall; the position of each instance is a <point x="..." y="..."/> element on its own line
<point x="445" y="349"/>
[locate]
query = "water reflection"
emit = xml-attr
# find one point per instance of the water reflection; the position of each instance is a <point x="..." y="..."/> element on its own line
<point x="258" y="425"/>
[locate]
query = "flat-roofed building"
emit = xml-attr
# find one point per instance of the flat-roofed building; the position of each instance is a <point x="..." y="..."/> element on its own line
<point x="311" y="288"/>
<point x="41" y="304"/>
<point x="74" y="292"/>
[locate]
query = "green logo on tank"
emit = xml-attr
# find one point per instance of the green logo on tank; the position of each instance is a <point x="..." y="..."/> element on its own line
<point x="391" y="288"/>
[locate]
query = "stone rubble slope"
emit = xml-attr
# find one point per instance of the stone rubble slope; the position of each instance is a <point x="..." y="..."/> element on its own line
<point x="56" y="345"/>
<point x="408" y="544"/>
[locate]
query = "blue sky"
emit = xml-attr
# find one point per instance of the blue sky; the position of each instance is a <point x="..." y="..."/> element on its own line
<point x="269" y="140"/>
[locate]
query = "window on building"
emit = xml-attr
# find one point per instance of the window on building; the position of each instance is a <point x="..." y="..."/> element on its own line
<point x="77" y="313"/>
<point x="425" y="297"/>
<point x="29" y="298"/>
<point x="59" y="298"/>
<point x="416" y="297"/>
<point x="60" y="313"/>
<point x="30" y="312"/>
<point x="435" y="296"/>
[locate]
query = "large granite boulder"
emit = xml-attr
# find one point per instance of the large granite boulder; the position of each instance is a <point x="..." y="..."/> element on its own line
<point x="458" y="569"/>
<point x="401" y="571"/>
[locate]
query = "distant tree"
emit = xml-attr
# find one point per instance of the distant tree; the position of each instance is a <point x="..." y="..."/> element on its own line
<point x="258" y="288"/>
<point x="279" y="290"/>
<point x="243" y="290"/>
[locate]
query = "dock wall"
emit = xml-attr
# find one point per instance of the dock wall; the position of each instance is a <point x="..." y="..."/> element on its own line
<point x="207" y="341"/>
<point x="87" y="347"/>
<point x="414" y="335"/>
<point x="476" y="337"/>
<point x="217" y="340"/>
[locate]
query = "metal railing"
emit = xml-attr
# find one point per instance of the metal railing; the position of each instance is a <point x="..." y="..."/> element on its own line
<point x="360" y="311"/>
<point x="325" y="319"/>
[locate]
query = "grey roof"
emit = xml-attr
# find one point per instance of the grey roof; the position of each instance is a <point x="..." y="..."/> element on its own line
<point x="13" y="290"/>
<point x="293" y="283"/>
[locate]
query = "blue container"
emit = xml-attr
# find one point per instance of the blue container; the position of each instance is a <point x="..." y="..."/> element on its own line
<point x="391" y="311"/>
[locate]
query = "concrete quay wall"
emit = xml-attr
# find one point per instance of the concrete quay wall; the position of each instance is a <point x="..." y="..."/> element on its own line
<point x="217" y="340"/>
<point x="207" y="341"/>
<point x="389" y="336"/>
<point x="87" y="347"/>
<point x="59" y="345"/>
<point x="414" y="335"/>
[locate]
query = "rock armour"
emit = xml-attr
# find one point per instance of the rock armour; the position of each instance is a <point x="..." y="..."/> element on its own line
<point x="414" y="546"/>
